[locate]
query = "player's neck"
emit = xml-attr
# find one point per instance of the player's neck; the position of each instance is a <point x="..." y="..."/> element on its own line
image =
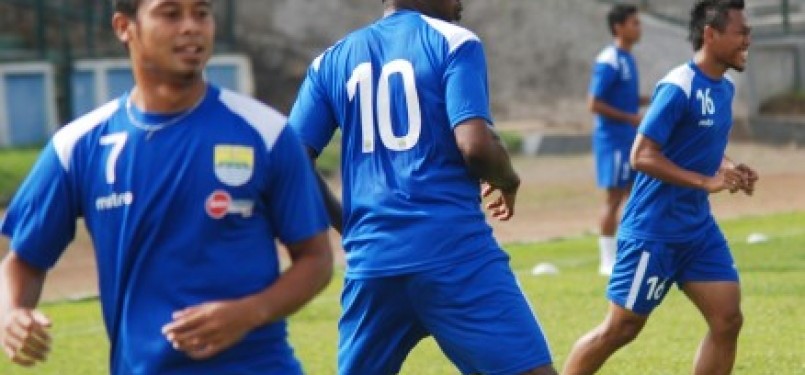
<point x="167" y="98"/>
<point x="711" y="67"/>
<point x="623" y="45"/>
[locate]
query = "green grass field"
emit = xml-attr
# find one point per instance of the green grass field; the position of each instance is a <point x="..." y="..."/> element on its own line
<point x="14" y="166"/>
<point x="568" y="305"/>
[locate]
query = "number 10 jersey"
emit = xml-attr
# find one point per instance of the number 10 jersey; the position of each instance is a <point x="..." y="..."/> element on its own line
<point x="397" y="89"/>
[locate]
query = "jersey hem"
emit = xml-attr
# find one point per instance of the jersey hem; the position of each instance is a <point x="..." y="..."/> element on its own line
<point x="498" y="253"/>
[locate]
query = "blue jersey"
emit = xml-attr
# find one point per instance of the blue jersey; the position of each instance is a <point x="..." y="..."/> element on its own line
<point x="690" y="118"/>
<point x="397" y="88"/>
<point x="615" y="82"/>
<point x="179" y="216"/>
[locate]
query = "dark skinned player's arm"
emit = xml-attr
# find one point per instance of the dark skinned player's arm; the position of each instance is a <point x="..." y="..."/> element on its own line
<point x="647" y="157"/>
<point x="599" y="107"/>
<point x="485" y="155"/>
<point x="333" y="205"/>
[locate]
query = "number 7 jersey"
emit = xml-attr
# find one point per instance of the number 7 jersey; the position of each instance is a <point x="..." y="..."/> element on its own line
<point x="178" y="216"/>
<point x="397" y="89"/>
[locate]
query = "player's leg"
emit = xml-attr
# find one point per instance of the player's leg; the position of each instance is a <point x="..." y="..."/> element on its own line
<point x="378" y="327"/>
<point x="719" y="303"/>
<point x="614" y="176"/>
<point x="608" y="225"/>
<point x="711" y="283"/>
<point x="620" y="327"/>
<point x="467" y="306"/>
<point x="640" y="279"/>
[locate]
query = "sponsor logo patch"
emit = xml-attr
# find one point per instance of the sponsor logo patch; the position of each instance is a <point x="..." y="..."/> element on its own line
<point x="233" y="164"/>
<point x="217" y="204"/>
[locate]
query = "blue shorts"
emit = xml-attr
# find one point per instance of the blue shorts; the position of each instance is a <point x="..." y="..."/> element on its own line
<point x="644" y="270"/>
<point x="612" y="166"/>
<point x="475" y="311"/>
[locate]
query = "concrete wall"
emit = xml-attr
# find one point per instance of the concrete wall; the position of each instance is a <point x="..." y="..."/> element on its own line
<point x="539" y="52"/>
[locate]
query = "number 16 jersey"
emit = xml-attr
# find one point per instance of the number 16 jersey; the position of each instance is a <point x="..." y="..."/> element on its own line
<point x="397" y="89"/>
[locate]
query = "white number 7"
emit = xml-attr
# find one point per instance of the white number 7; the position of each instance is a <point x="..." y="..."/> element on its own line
<point x="117" y="141"/>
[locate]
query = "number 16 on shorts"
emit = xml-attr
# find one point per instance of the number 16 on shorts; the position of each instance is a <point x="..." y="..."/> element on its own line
<point x="641" y="278"/>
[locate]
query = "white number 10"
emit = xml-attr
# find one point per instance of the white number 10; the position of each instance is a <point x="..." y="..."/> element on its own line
<point x="362" y="76"/>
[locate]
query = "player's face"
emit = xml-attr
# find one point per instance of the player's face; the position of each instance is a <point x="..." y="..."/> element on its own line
<point x="631" y="29"/>
<point x="173" y="38"/>
<point x="448" y="10"/>
<point x="731" y="46"/>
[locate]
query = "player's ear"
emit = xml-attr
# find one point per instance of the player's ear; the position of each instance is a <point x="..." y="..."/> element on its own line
<point x="708" y="34"/>
<point x="121" y="24"/>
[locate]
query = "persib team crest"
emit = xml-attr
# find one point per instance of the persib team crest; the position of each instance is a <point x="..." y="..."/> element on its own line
<point x="234" y="165"/>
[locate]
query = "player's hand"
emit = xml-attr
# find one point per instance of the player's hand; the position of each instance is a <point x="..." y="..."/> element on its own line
<point x="750" y="177"/>
<point x="729" y="177"/>
<point x="26" y="340"/>
<point x="502" y="207"/>
<point x="205" y="330"/>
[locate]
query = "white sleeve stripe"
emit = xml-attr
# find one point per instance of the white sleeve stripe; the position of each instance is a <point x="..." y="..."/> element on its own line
<point x="681" y="77"/>
<point x="456" y="35"/>
<point x="65" y="139"/>
<point x="264" y="119"/>
<point x="608" y="56"/>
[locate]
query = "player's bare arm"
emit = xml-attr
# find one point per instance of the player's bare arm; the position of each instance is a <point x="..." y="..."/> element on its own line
<point x="648" y="158"/>
<point x="205" y="330"/>
<point x="487" y="159"/>
<point x="599" y="107"/>
<point x="334" y="209"/>
<point x="25" y="336"/>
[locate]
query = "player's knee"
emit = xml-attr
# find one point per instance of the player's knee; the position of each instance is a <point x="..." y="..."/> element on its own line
<point x="622" y="332"/>
<point x="727" y="325"/>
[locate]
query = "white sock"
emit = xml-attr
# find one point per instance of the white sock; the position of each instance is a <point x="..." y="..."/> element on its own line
<point x="607" y="245"/>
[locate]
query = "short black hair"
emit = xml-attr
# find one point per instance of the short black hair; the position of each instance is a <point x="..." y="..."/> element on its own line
<point x="713" y="13"/>
<point x="619" y="14"/>
<point x="127" y="7"/>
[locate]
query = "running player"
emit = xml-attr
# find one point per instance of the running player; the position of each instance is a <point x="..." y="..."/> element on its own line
<point x="615" y="100"/>
<point x="668" y="235"/>
<point x="410" y="95"/>
<point x="183" y="187"/>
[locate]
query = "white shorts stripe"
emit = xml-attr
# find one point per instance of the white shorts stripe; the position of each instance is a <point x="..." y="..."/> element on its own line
<point x="638" y="280"/>
<point x="617" y="167"/>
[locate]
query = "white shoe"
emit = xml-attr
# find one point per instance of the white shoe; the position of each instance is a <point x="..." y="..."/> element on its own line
<point x="605" y="270"/>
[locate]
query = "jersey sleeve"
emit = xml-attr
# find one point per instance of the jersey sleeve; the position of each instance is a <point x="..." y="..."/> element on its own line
<point x="466" y="86"/>
<point x="41" y="219"/>
<point x="667" y="107"/>
<point x="603" y="77"/>
<point x="296" y="207"/>
<point x="312" y="117"/>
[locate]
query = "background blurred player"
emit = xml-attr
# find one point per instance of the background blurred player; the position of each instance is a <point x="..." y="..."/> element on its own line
<point x="614" y="98"/>
<point x="183" y="187"/>
<point x="410" y="95"/>
<point x="668" y="234"/>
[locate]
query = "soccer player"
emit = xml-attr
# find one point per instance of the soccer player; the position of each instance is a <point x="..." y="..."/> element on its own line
<point x="409" y="93"/>
<point x="183" y="187"/>
<point x="668" y="234"/>
<point x="615" y="100"/>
